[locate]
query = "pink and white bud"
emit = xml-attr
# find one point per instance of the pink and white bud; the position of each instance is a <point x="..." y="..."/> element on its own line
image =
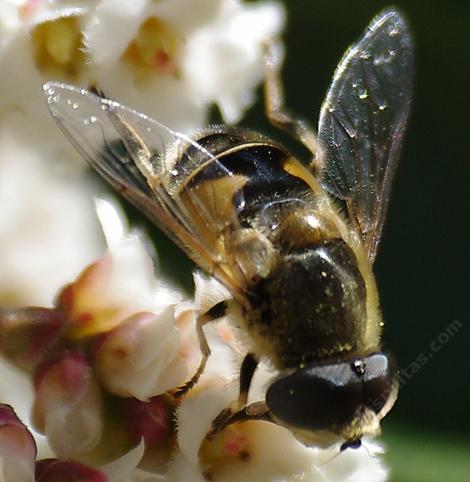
<point x="17" y="448"/>
<point x="119" y="285"/>
<point x="86" y="304"/>
<point x="151" y="421"/>
<point x="53" y="470"/>
<point x="27" y="335"/>
<point x="67" y="407"/>
<point x="139" y="358"/>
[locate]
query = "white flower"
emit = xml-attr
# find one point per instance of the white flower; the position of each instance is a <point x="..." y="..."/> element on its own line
<point x="140" y="353"/>
<point x="178" y="57"/>
<point x="171" y="59"/>
<point x="124" y="468"/>
<point x="118" y="285"/>
<point x="223" y="61"/>
<point x="48" y="229"/>
<point x="39" y="40"/>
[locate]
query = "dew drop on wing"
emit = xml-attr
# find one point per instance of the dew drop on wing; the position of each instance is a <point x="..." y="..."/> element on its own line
<point x="363" y="94"/>
<point x="385" y="58"/>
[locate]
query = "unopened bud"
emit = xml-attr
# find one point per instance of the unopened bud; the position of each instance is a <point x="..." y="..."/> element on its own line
<point x="152" y="420"/>
<point x="140" y="358"/>
<point x="86" y="302"/>
<point x="67" y="407"/>
<point x="27" y="335"/>
<point x="53" y="470"/>
<point x="17" y="448"/>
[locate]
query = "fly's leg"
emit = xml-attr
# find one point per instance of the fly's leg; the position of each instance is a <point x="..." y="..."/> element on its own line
<point x="247" y="370"/>
<point x="254" y="411"/>
<point x="228" y="416"/>
<point x="274" y="101"/>
<point x="215" y="313"/>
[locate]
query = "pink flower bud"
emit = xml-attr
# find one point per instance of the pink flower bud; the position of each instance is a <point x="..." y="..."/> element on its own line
<point x="87" y="303"/>
<point x="141" y="357"/>
<point x="152" y="421"/>
<point x="67" y="407"/>
<point x="17" y="448"/>
<point x="53" y="470"/>
<point x="27" y="335"/>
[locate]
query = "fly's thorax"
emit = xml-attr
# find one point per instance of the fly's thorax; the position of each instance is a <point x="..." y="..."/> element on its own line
<point x="303" y="229"/>
<point x="236" y="197"/>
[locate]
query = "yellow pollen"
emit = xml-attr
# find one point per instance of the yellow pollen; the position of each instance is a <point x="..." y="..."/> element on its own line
<point x="58" y="47"/>
<point x="153" y="49"/>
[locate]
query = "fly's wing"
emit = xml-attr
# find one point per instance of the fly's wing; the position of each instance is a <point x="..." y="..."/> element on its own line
<point x="362" y="122"/>
<point x="135" y="154"/>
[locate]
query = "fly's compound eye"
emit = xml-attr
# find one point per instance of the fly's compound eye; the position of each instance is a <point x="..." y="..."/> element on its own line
<point x="325" y="396"/>
<point x="380" y="385"/>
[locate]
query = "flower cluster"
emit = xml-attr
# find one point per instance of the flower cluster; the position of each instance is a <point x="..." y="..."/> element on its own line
<point x="92" y="367"/>
<point x="171" y="59"/>
<point x="104" y="359"/>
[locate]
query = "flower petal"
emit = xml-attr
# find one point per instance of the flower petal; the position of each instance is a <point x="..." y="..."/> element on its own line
<point x="120" y="470"/>
<point x="210" y="397"/>
<point x="224" y="62"/>
<point x="109" y="18"/>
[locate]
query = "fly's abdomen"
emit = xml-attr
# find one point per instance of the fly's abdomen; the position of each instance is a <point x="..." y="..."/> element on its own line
<point x="315" y="304"/>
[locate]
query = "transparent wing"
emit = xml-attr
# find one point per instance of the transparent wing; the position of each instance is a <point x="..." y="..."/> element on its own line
<point x="136" y="155"/>
<point x="362" y="123"/>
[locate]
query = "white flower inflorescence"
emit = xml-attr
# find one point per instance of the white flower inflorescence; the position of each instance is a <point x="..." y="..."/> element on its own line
<point x="172" y="59"/>
<point x="112" y="347"/>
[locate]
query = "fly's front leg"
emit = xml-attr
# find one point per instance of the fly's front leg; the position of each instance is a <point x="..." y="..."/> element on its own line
<point x="254" y="411"/>
<point x="229" y="415"/>
<point x="215" y="313"/>
<point x="274" y="101"/>
<point x="247" y="370"/>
